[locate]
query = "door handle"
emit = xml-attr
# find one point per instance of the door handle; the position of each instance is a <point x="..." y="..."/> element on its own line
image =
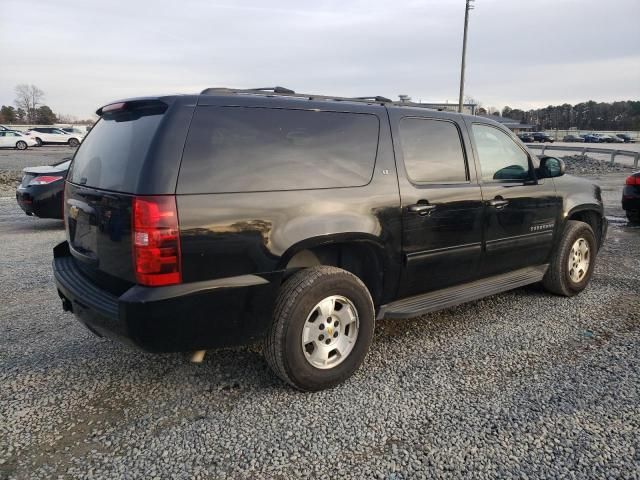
<point x="421" y="208"/>
<point x="498" y="203"/>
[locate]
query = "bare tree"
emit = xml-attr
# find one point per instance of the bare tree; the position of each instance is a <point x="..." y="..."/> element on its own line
<point x="66" y="118"/>
<point x="28" y="98"/>
<point x="468" y="99"/>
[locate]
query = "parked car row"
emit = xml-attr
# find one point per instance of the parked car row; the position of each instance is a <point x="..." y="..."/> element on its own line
<point x="39" y="136"/>
<point x="599" y="138"/>
<point x="542" y="137"/>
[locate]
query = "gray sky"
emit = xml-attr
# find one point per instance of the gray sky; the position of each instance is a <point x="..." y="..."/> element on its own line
<point x="85" y="53"/>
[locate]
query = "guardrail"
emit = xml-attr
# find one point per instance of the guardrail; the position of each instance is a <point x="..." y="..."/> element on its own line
<point x="584" y="150"/>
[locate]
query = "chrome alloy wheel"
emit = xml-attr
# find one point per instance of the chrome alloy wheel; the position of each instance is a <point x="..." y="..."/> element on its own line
<point x="330" y="332"/>
<point x="579" y="260"/>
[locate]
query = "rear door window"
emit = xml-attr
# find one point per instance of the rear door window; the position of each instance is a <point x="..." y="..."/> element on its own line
<point x="244" y="149"/>
<point x="112" y="155"/>
<point x="432" y="151"/>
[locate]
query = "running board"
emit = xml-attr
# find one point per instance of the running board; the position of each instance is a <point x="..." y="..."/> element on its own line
<point x="452" y="296"/>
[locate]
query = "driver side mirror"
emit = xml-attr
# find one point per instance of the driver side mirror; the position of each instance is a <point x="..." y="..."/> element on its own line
<point x="551" y="167"/>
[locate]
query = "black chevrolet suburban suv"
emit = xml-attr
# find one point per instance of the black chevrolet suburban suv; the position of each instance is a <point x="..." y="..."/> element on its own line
<point x="199" y="221"/>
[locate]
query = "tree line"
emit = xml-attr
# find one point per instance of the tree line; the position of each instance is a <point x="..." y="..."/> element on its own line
<point x="30" y="109"/>
<point x="614" y="116"/>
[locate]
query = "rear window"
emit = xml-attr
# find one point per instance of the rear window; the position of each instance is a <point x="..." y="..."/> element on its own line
<point x="112" y="155"/>
<point x="241" y="149"/>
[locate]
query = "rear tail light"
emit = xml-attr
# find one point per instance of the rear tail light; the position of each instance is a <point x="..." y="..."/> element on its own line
<point x="633" y="180"/>
<point x="156" y="240"/>
<point x="45" y="180"/>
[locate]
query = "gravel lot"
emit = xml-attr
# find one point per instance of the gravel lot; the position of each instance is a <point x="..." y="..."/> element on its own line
<point x="521" y="384"/>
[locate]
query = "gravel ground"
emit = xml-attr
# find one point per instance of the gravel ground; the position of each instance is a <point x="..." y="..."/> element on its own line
<point x="518" y="385"/>
<point x="576" y="165"/>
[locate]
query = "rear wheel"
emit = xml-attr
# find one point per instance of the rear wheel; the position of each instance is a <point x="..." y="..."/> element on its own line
<point x="38" y="141"/>
<point x="21" y="145"/>
<point x="73" y="142"/>
<point x="633" y="216"/>
<point x="322" y="328"/>
<point x="572" y="261"/>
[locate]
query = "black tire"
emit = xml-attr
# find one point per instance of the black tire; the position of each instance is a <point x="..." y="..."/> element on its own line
<point x="633" y="216"/>
<point x="298" y="296"/>
<point x="558" y="279"/>
<point x="73" y="142"/>
<point x="21" y="145"/>
<point x="39" y="142"/>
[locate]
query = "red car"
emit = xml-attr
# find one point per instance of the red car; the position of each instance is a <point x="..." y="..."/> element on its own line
<point x="631" y="197"/>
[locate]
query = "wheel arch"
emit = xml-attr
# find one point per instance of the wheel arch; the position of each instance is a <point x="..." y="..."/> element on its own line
<point x="362" y="254"/>
<point x="592" y="215"/>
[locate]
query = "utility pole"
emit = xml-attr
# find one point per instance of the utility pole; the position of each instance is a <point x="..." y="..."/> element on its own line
<point x="464" y="52"/>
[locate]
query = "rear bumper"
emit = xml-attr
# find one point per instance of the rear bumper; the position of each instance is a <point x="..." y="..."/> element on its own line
<point x="44" y="201"/>
<point x="201" y="315"/>
<point x="631" y="198"/>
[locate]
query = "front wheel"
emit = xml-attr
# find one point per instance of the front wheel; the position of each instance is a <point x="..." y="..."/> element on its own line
<point x="572" y="261"/>
<point x="21" y="145"/>
<point x="322" y="328"/>
<point x="39" y="142"/>
<point x="73" y="142"/>
<point x="633" y="216"/>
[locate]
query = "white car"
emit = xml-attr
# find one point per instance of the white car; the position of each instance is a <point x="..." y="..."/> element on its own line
<point x="13" y="139"/>
<point x="74" y="131"/>
<point x="52" y="135"/>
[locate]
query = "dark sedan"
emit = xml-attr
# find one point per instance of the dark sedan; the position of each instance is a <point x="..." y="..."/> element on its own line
<point x="41" y="190"/>
<point x="542" y="137"/>
<point x="573" y="138"/>
<point x="591" y="138"/>
<point x="626" y="138"/>
<point x="525" y="137"/>
<point x="631" y="197"/>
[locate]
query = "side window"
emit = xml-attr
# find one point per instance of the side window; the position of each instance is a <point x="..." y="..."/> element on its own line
<point x="245" y="149"/>
<point x="500" y="157"/>
<point x="432" y="151"/>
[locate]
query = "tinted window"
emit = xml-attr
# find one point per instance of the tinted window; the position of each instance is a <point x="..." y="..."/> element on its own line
<point x="238" y="149"/>
<point x="432" y="151"/>
<point x="500" y="157"/>
<point x="112" y="155"/>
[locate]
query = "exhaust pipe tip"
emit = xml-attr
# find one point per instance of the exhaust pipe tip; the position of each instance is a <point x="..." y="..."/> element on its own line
<point x="67" y="306"/>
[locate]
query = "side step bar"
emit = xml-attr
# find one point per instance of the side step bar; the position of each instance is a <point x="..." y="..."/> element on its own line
<point x="449" y="297"/>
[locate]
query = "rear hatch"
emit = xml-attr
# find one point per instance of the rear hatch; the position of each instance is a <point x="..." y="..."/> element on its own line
<point x="132" y="152"/>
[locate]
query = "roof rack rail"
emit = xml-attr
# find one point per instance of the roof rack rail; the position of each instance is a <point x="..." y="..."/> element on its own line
<point x="290" y="93"/>
<point x="377" y="99"/>
<point x="276" y="89"/>
<point x="417" y="105"/>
